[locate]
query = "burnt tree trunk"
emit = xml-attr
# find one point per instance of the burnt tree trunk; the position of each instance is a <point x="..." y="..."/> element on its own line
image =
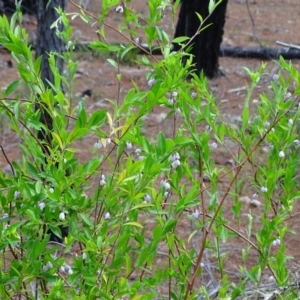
<point x="48" y="41"/>
<point x="27" y="6"/>
<point x="206" y="45"/>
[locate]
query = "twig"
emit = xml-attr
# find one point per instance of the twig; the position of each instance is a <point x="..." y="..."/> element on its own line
<point x="288" y="45"/>
<point x="7" y="160"/>
<point x="253" y="25"/>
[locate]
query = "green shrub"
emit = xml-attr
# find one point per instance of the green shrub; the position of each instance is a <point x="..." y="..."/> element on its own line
<point x="126" y="205"/>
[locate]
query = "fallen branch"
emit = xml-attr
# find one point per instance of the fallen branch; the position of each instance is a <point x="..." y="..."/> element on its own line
<point x="261" y="53"/>
<point x="289" y="46"/>
<point x="292" y="52"/>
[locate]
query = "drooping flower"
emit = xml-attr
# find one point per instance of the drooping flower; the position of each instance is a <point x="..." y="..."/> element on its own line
<point x="62" y="216"/>
<point x="151" y="81"/>
<point x="107" y="216"/>
<point x="263" y="189"/>
<point x="175" y="164"/>
<point x="98" y="145"/>
<point x="195" y="214"/>
<point x="17" y="195"/>
<point x="165" y="184"/>
<point x="102" y="181"/>
<point x="128" y="145"/>
<point x="41" y="205"/>
<point x="119" y="9"/>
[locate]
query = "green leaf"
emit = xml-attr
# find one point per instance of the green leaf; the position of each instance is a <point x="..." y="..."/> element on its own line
<point x="32" y="171"/>
<point x="86" y="220"/>
<point x="133" y="224"/>
<point x="113" y="63"/>
<point x="170" y="224"/>
<point x="77" y="134"/>
<point x="180" y="39"/>
<point x="97" y="118"/>
<point x="211" y="6"/>
<point x="12" y="87"/>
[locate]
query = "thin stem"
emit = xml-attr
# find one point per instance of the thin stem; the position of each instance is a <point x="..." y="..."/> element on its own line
<point x="116" y="30"/>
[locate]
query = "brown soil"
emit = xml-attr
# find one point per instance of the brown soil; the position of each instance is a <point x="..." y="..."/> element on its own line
<point x="274" y="20"/>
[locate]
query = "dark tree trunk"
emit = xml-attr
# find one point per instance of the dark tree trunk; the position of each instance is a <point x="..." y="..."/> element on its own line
<point x="27" y="6"/>
<point x="48" y="41"/>
<point x="206" y="45"/>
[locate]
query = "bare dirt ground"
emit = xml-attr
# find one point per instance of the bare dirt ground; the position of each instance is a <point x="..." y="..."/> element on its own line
<point x="273" y="20"/>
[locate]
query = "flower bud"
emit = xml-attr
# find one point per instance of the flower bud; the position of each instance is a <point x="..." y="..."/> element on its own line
<point x="62" y="216"/>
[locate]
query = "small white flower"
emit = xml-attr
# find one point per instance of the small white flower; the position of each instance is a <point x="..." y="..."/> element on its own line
<point x="281" y="154"/>
<point x="175" y="156"/>
<point x="17" y="195"/>
<point x="62" y="269"/>
<point x="107" y="216"/>
<point x="47" y="266"/>
<point x="41" y="205"/>
<point x="263" y="189"/>
<point x="208" y="128"/>
<point x="194" y="95"/>
<point x="65" y="161"/>
<point x="108" y="140"/>
<point x="267" y="124"/>
<point x="275" y="77"/>
<point x="276" y="243"/>
<point x="271" y="279"/>
<point x="254" y="196"/>
<point x="174" y="94"/>
<point x="195" y="214"/>
<point x="165" y="184"/>
<point x="98" y="145"/>
<point x="128" y="145"/>
<point x="141" y="157"/>
<point x="62" y="216"/>
<point x="287" y="96"/>
<point x="178" y="110"/>
<point x="69" y="44"/>
<point x="70" y="271"/>
<point x="296" y="142"/>
<point x="175" y="164"/>
<point x="138" y="150"/>
<point x="119" y="9"/>
<point x="137" y="40"/>
<point x="84" y="256"/>
<point x="171" y="101"/>
<point x="102" y="181"/>
<point x="291" y="122"/>
<point x="51" y="190"/>
<point x="202" y="265"/>
<point x="167" y="195"/>
<point x="151" y="81"/>
<point x="147" y="198"/>
<point x="213" y="145"/>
